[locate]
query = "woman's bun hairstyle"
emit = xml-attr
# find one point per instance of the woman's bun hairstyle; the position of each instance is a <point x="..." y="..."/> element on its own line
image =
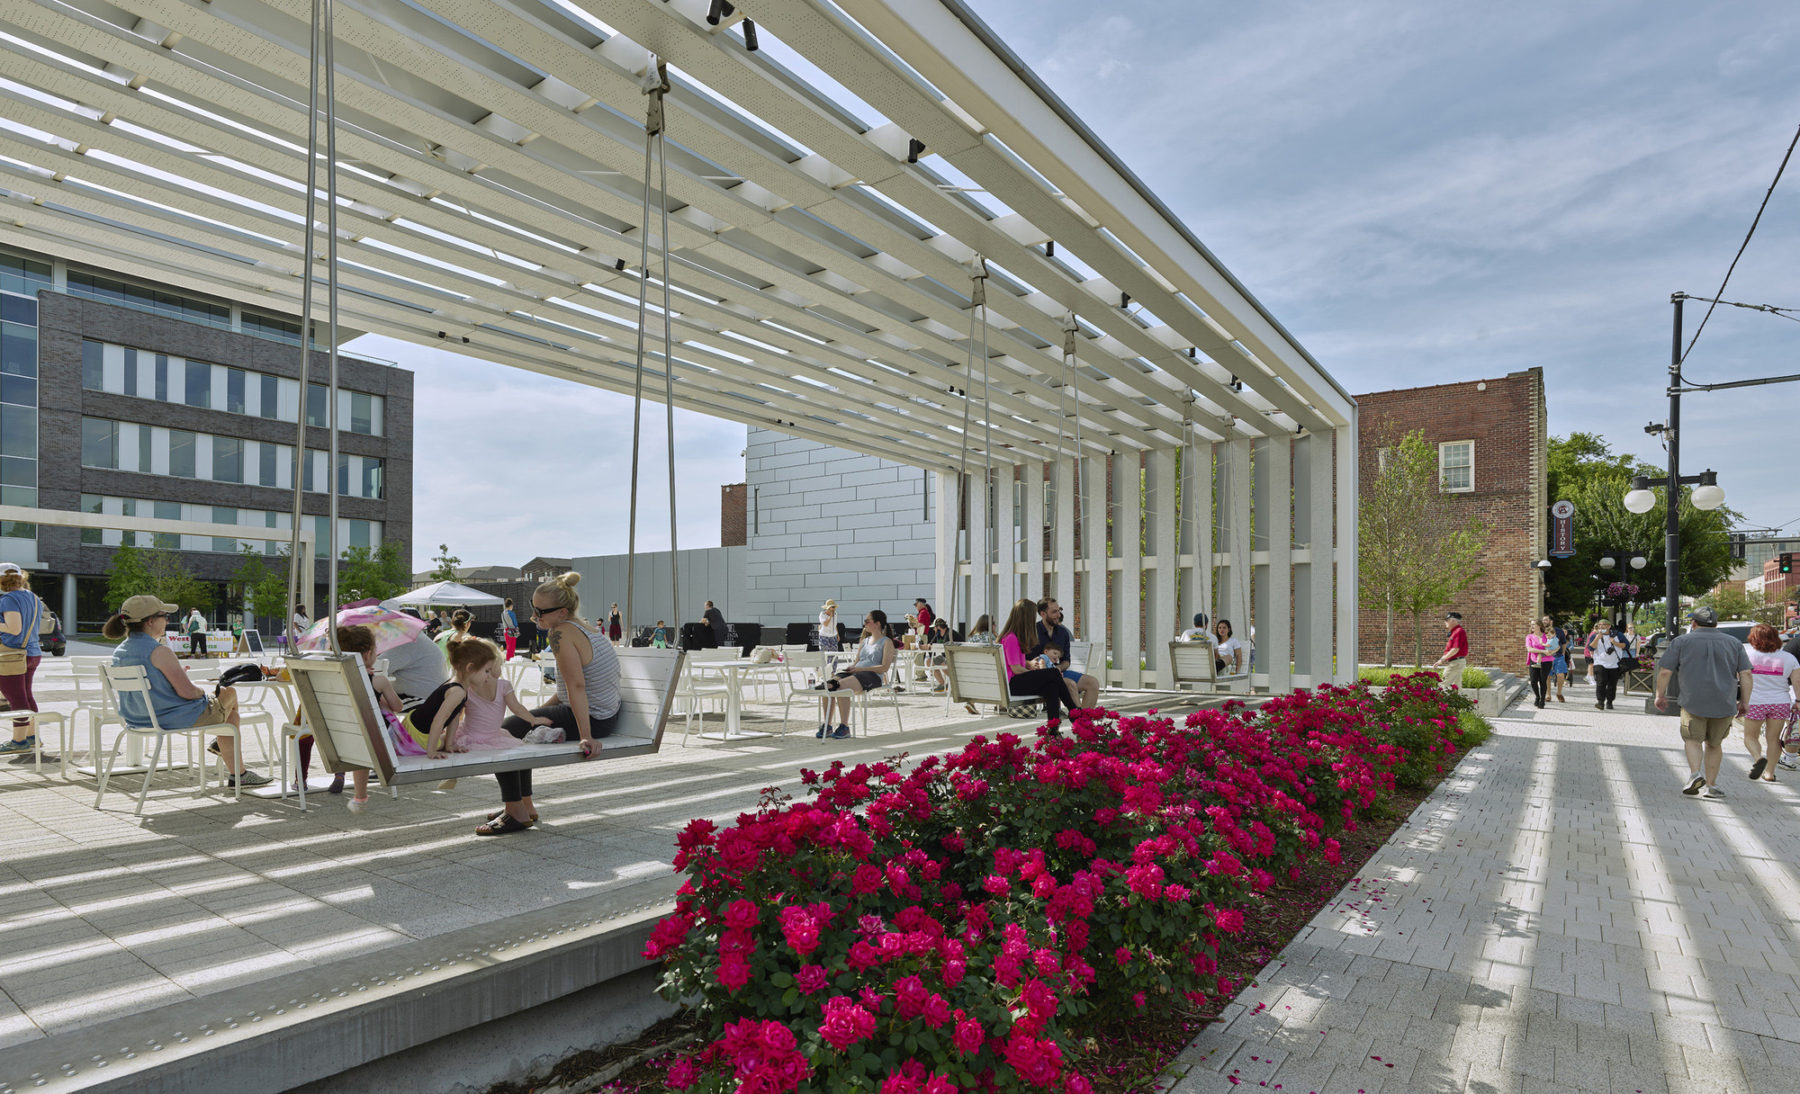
<point x="560" y="591"/>
<point x="461" y="617"/>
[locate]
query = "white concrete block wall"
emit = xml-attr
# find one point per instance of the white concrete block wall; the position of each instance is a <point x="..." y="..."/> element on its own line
<point x="829" y="523"/>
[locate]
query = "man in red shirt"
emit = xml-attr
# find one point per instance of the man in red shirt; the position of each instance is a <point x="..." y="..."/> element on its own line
<point x="1456" y="652"/>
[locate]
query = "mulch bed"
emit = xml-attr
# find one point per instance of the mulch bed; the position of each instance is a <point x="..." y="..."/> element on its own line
<point x="1123" y="1056"/>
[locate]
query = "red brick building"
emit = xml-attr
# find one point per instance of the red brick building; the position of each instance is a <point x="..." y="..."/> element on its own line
<point x="734" y="513"/>
<point x="1493" y="459"/>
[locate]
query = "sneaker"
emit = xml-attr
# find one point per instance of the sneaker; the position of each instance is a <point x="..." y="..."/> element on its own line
<point x="1787" y="762"/>
<point x="357" y="805"/>
<point x="1713" y="793"/>
<point x="14" y="748"/>
<point x="248" y="778"/>
<point x="841" y="732"/>
<point x="1695" y="782"/>
<point x="823" y="729"/>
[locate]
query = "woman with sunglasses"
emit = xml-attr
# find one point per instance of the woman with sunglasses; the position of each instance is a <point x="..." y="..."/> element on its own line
<point x="587" y="696"/>
<point x="874" y="657"/>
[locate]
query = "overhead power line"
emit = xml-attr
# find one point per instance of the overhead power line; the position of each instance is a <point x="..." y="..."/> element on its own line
<point x="1741" y="247"/>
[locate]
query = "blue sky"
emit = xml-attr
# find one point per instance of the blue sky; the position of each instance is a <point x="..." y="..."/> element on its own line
<point x="1421" y="192"/>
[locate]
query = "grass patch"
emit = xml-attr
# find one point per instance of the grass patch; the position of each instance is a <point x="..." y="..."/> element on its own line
<point x="1381" y="677"/>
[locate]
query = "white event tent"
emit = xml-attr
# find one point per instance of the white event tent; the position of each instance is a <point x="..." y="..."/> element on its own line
<point x="846" y="180"/>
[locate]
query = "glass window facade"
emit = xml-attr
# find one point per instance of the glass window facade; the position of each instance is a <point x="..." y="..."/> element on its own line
<point x="255" y="522"/>
<point x="111" y="290"/>
<point x="122" y="370"/>
<point x="18" y="395"/>
<point x="24" y="276"/>
<point x="181" y="453"/>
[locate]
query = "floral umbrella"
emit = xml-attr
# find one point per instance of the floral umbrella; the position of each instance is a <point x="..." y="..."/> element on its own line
<point x="391" y="628"/>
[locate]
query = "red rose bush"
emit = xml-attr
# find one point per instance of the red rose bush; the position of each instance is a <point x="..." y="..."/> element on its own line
<point x="955" y="925"/>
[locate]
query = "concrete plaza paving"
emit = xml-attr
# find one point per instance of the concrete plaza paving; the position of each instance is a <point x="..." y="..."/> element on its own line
<point x="1556" y="917"/>
<point x="105" y="915"/>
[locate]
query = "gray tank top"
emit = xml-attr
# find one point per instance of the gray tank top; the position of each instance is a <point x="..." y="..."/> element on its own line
<point x="600" y="674"/>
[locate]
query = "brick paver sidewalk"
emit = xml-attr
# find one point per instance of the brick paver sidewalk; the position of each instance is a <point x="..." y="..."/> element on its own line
<point x="1556" y="917"/>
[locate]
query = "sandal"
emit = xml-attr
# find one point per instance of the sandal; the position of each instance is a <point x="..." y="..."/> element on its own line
<point x="970" y="707"/>
<point x="495" y="815"/>
<point x="506" y="825"/>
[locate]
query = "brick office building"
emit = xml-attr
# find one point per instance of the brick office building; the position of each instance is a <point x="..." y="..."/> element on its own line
<point x="1493" y="460"/>
<point x="128" y="400"/>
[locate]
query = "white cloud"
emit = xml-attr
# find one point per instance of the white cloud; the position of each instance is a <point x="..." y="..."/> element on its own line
<point x="508" y="464"/>
<point x="1425" y="193"/>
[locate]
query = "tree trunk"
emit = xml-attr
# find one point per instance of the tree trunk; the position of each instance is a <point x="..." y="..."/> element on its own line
<point x="1387" y="651"/>
<point x="1418" y="642"/>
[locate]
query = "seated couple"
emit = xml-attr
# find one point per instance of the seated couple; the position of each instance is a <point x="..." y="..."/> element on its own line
<point x="1228" y="651"/>
<point x="1035" y="646"/>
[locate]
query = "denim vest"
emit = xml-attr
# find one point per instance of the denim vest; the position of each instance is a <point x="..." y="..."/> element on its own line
<point x="172" y="711"/>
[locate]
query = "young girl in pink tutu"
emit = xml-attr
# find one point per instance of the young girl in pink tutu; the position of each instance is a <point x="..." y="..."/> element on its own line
<point x="464" y="714"/>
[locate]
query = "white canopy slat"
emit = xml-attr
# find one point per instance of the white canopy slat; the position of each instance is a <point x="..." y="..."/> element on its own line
<point x="491" y="153"/>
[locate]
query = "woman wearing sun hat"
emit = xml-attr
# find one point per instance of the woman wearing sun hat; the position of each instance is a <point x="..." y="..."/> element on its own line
<point x="828" y="632"/>
<point x="179" y="703"/>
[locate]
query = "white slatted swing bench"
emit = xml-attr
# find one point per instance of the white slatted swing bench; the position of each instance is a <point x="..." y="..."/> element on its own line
<point x="340" y="707"/>
<point x="1194" y="663"/>
<point x="978" y="675"/>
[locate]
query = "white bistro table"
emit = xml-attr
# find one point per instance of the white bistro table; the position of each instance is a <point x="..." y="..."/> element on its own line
<point x="737" y="676"/>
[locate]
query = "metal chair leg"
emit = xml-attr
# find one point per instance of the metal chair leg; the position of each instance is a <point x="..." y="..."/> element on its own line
<point x="144" y="790"/>
<point x="106" y="767"/>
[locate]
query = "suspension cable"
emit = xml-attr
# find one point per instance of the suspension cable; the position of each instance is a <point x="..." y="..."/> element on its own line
<point x="654" y="83"/>
<point x="1070" y="332"/>
<point x="297" y="566"/>
<point x="976" y="293"/>
<point x="331" y="306"/>
<point x="990" y="546"/>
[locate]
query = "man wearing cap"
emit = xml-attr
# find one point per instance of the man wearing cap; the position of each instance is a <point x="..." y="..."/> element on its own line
<point x="1715" y="687"/>
<point x="1456" y="653"/>
<point x="176" y="700"/>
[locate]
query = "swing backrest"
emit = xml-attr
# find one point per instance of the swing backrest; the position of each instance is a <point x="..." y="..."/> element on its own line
<point x="1196" y="663"/>
<point x="977" y="674"/>
<point x="340" y="708"/>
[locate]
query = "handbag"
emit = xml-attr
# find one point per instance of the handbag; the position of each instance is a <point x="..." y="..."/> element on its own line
<point x="13" y="661"/>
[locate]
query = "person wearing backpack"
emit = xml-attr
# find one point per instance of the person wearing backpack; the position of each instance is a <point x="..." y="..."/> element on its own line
<point x="20" y="613"/>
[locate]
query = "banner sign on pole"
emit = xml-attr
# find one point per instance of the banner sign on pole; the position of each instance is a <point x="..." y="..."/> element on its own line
<point x="1562" y="530"/>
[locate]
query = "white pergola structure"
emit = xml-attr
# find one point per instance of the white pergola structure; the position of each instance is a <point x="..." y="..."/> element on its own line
<point x="831" y="192"/>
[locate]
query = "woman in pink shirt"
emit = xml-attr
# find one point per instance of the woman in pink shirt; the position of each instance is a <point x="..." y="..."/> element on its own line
<point x="1537" y="659"/>
<point x="1036" y="676"/>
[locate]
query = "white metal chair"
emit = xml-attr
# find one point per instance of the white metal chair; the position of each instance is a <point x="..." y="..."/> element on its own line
<point x="94" y="698"/>
<point x="698" y="687"/>
<point x="829" y="663"/>
<point x="133" y="680"/>
<point x="804" y="670"/>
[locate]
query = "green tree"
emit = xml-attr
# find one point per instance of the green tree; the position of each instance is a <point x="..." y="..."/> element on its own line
<point x="127" y="576"/>
<point x="378" y="573"/>
<point x="1413" y="554"/>
<point x="1584" y="470"/>
<point x="175" y="583"/>
<point x="1732" y="602"/>
<point x="446" y="564"/>
<point x="268" y="597"/>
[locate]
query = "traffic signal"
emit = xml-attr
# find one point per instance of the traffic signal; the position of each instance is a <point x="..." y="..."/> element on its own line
<point x="1787" y="562"/>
